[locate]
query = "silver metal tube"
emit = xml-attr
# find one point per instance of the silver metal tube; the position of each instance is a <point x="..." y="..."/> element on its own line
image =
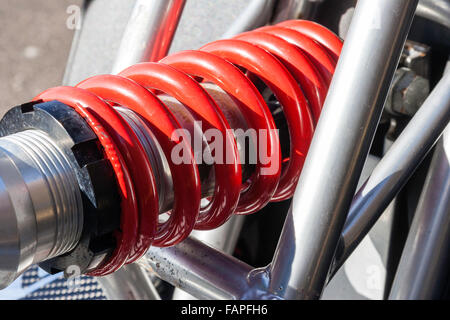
<point x="295" y="9"/>
<point x="257" y="14"/>
<point x="223" y="238"/>
<point x="202" y="271"/>
<point x="40" y="203"/>
<point x="435" y="10"/>
<point x="424" y="265"/>
<point x="339" y="147"/>
<point x="394" y="169"/>
<point x="131" y="282"/>
<point x="149" y="32"/>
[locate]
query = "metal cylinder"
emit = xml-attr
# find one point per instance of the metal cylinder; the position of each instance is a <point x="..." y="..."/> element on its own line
<point x="435" y="10"/>
<point x="41" y="214"/>
<point x="131" y="282"/>
<point x="223" y="238"/>
<point x="423" y="269"/>
<point x="149" y="32"/>
<point x="257" y="14"/>
<point x="201" y="271"/>
<point x="295" y="9"/>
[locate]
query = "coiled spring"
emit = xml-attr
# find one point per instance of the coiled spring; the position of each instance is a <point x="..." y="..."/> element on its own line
<point x="294" y="61"/>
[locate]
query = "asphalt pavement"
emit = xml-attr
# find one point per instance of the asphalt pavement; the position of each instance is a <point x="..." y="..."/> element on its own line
<point x="35" y="39"/>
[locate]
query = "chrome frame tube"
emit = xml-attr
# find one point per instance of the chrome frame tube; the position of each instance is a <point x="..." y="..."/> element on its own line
<point x="435" y="10"/>
<point x="257" y="14"/>
<point x="339" y="147"/>
<point x="394" y="169"/>
<point x="223" y="238"/>
<point x="149" y="32"/>
<point x="295" y="9"/>
<point x="424" y="265"/>
<point x="202" y="271"/>
<point x="131" y="282"/>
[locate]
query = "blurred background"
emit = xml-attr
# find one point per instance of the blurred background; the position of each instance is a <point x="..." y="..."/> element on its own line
<point x="34" y="46"/>
<point x="36" y="38"/>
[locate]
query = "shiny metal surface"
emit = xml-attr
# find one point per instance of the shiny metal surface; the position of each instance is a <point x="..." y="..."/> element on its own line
<point x="223" y="238"/>
<point x="204" y="272"/>
<point x="131" y="282"/>
<point x="40" y="203"/>
<point x="424" y="265"/>
<point x="295" y="9"/>
<point x="363" y="275"/>
<point x="256" y="14"/>
<point x="149" y="32"/>
<point x="395" y="168"/>
<point x="339" y="147"/>
<point x="154" y="152"/>
<point x="435" y="10"/>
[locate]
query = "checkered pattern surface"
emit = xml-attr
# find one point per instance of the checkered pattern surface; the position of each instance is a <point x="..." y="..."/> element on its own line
<point x="57" y="289"/>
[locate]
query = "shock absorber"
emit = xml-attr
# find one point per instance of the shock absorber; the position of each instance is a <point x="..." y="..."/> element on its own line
<point x="144" y="157"/>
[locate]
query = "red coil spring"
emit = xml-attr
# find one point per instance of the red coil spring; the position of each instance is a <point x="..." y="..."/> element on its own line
<point x="295" y="59"/>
